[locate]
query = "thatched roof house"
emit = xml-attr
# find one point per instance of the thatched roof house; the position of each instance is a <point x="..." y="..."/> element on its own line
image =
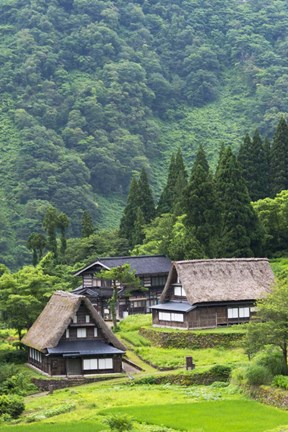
<point x="70" y="337"/>
<point x="213" y="292"/>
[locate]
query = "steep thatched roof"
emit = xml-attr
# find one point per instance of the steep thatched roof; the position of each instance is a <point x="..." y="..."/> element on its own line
<point x="56" y="317"/>
<point x="221" y="279"/>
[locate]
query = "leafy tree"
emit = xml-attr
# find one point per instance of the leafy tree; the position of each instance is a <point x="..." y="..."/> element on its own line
<point x="50" y="224"/>
<point x="23" y="294"/>
<point x="270" y="327"/>
<point x="240" y="233"/>
<point x="36" y="243"/>
<point x="124" y="276"/>
<point x="87" y="227"/>
<point x="63" y="223"/>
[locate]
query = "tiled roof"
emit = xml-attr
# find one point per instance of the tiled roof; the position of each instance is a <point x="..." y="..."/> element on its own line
<point x="143" y="264"/>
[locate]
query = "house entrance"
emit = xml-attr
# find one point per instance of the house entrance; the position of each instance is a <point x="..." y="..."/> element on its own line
<point x="74" y="366"/>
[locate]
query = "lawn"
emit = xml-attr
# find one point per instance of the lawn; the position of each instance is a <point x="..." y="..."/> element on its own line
<point x="175" y="357"/>
<point x="211" y="416"/>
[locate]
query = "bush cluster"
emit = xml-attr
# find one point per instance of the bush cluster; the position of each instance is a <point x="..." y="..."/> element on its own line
<point x="12" y="405"/>
<point x="280" y="381"/>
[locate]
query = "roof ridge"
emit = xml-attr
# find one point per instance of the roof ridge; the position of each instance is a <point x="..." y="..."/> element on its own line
<point x="222" y="260"/>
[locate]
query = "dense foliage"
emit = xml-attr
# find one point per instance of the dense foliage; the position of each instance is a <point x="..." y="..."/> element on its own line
<point x="92" y="92"/>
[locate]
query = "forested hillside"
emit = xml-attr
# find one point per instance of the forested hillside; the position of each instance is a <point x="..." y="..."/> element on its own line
<point x="92" y="91"/>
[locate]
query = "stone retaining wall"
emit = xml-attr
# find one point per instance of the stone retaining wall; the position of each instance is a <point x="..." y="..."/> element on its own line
<point x="53" y="384"/>
<point x="189" y="339"/>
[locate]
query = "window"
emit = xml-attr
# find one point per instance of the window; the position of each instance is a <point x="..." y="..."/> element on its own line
<point x="74" y="319"/>
<point x="35" y="355"/>
<point x="89" y="364"/>
<point x="232" y="313"/>
<point x="95" y="331"/>
<point x="171" y="316"/>
<point x="81" y="332"/>
<point x="177" y="317"/>
<point x="67" y="333"/>
<point x="158" y="281"/>
<point x="95" y="364"/>
<point x="244" y="312"/>
<point x="178" y="291"/>
<point x="87" y="318"/>
<point x="241" y="312"/>
<point x="105" y="363"/>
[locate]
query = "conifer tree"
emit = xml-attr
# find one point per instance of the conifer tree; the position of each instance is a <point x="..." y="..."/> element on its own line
<point x="130" y="212"/>
<point x="279" y="158"/>
<point x="145" y="199"/>
<point x="254" y="163"/>
<point x="171" y="198"/>
<point x="201" y="205"/>
<point x="240" y="229"/>
<point x="87" y="227"/>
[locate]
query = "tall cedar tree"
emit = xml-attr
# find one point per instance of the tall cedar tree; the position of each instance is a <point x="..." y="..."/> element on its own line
<point x="130" y="212"/>
<point x="87" y="227"/>
<point x="254" y="162"/>
<point x="279" y="158"/>
<point x="201" y="205"/>
<point x="140" y="210"/>
<point x="171" y="197"/>
<point x="240" y="229"/>
<point x="146" y="201"/>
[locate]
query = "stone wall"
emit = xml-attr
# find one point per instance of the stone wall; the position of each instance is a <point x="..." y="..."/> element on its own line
<point x="189" y="339"/>
<point x="56" y="384"/>
<point x="270" y="396"/>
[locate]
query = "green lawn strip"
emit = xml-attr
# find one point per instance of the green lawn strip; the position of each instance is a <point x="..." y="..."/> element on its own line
<point x="42" y="427"/>
<point x="175" y="357"/>
<point x="211" y="416"/>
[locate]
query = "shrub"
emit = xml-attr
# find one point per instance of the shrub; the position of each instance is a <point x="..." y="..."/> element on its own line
<point x="18" y="384"/>
<point x="258" y="375"/>
<point x="119" y="423"/>
<point x="13" y="356"/>
<point x="12" y="405"/>
<point x="272" y="359"/>
<point x="238" y="376"/>
<point x="280" y="381"/>
<point x="221" y="371"/>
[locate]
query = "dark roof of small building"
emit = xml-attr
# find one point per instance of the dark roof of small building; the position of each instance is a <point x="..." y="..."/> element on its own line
<point x="174" y="306"/>
<point x="83" y="347"/>
<point x="143" y="264"/>
<point x="216" y="280"/>
<point x="55" y="318"/>
<point x="94" y="292"/>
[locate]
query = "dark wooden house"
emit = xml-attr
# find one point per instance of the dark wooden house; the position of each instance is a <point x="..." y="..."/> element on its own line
<point x="211" y="293"/>
<point x="151" y="270"/>
<point x="70" y="338"/>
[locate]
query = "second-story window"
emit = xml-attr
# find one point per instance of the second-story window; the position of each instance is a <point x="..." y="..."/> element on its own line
<point x="81" y="333"/>
<point x="178" y="291"/>
<point x="67" y="333"/>
<point x="87" y="318"/>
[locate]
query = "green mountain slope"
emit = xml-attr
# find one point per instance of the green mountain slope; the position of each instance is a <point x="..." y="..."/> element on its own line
<point x="92" y="91"/>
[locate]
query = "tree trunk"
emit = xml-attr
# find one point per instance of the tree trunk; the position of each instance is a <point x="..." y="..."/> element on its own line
<point x="113" y="304"/>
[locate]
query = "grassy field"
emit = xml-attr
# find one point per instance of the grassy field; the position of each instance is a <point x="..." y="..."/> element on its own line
<point x="211" y="416"/>
<point x="174" y="358"/>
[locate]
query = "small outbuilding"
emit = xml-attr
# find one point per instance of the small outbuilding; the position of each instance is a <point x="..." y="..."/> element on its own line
<point x="212" y="293"/>
<point x="70" y="338"/>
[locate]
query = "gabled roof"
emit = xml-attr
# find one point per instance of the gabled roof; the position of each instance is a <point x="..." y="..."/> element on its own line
<point x="49" y="327"/>
<point x="221" y="279"/>
<point x="143" y="264"/>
